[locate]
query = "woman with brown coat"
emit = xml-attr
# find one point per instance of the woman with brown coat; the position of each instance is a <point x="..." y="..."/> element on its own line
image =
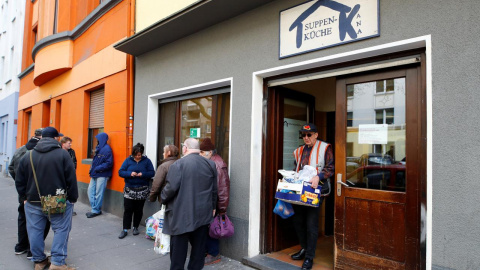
<point x="170" y="155"/>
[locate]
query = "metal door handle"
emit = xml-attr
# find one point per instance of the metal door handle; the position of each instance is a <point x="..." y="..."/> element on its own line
<point x="340" y="182"/>
<point x="339" y="187"/>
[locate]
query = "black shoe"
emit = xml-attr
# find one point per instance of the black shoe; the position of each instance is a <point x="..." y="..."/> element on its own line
<point x="91" y="215"/>
<point x="20" y="251"/>
<point x="74" y="213"/>
<point x="122" y="235"/>
<point x="299" y="255"/>
<point x="135" y="231"/>
<point x="307" y="264"/>
<point x="29" y="255"/>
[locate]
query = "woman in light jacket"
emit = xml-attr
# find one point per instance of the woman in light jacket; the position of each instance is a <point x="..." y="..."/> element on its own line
<point x="137" y="170"/>
<point x="170" y="155"/>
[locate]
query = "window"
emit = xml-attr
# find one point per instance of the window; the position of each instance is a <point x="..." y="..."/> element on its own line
<point x="350" y="90"/>
<point x="349" y="119"/>
<point x="55" y="18"/>
<point x="198" y="117"/>
<point x="35" y="35"/>
<point x="384" y="116"/>
<point x="96" y="123"/>
<point x="385" y="86"/>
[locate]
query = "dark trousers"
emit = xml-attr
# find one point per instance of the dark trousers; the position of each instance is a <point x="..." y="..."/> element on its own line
<point x="213" y="246"/>
<point x="305" y="221"/>
<point x="132" y="208"/>
<point x="23" y="243"/>
<point x="179" y="248"/>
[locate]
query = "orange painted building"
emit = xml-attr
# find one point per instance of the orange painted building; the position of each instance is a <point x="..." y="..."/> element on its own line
<point x="73" y="79"/>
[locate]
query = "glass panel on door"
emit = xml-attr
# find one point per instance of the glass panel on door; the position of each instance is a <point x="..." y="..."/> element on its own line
<point x="295" y="115"/>
<point x="376" y="135"/>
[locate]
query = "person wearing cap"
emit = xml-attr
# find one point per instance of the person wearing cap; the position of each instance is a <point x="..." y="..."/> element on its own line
<point x="55" y="175"/>
<point x="319" y="155"/>
<point x="207" y="150"/>
<point x="23" y="245"/>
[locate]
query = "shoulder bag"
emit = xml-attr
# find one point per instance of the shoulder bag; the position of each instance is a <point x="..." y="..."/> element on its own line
<point x="50" y="204"/>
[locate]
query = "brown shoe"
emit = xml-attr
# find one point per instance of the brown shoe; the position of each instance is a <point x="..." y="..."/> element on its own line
<point x="61" y="267"/>
<point x="209" y="259"/>
<point x="42" y="265"/>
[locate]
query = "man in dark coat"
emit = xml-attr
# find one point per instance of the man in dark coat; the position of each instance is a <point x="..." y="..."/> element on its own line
<point x="55" y="175"/>
<point x="190" y="196"/>
<point x="23" y="245"/>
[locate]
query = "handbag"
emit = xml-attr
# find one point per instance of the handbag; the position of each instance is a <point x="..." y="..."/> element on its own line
<point x="162" y="241"/>
<point x="221" y="227"/>
<point x="50" y="204"/>
<point x="283" y="209"/>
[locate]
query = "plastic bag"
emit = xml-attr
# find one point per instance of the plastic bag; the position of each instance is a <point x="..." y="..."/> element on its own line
<point x="283" y="209"/>
<point x="162" y="241"/>
<point x="151" y="224"/>
<point x="307" y="173"/>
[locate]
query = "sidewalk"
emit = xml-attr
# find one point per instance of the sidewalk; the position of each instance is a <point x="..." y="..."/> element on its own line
<point x="93" y="243"/>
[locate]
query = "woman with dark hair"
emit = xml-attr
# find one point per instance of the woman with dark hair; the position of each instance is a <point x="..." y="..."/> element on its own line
<point x="170" y="155"/>
<point x="137" y="170"/>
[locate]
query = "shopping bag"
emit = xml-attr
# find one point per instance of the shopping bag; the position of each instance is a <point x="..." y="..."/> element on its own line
<point x="221" y="227"/>
<point x="151" y="225"/>
<point x="162" y="241"/>
<point x="283" y="209"/>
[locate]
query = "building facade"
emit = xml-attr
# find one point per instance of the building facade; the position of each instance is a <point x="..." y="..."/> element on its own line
<point x="11" y="28"/>
<point x="73" y="79"/>
<point x="391" y="85"/>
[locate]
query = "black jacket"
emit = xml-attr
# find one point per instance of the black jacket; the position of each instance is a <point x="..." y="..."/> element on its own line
<point x="12" y="167"/>
<point x="190" y="194"/>
<point x="54" y="169"/>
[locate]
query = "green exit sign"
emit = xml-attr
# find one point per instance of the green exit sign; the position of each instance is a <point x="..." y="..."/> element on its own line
<point x="195" y="133"/>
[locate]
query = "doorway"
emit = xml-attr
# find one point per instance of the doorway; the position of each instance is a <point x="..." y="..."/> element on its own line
<point x="292" y="106"/>
<point x="375" y="120"/>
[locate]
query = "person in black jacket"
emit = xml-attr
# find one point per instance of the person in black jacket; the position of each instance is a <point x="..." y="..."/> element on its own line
<point x="23" y="245"/>
<point x="55" y="175"/>
<point x="190" y="196"/>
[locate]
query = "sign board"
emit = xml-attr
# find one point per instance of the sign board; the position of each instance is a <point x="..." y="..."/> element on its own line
<point x="195" y="133"/>
<point x="373" y="134"/>
<point x="320" y="24"/>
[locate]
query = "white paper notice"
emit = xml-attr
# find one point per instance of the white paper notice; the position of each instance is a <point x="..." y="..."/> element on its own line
<point x="373" y="134"/>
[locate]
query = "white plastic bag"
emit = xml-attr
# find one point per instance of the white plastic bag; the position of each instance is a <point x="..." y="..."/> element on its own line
<point x="307" y="173"/>
<point x="162" y="241"/>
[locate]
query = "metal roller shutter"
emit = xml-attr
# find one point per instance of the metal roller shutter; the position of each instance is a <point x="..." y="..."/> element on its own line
<point x="96" y="108"/>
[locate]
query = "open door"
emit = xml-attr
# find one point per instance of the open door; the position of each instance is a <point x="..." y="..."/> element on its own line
<point x="380" y="166"/>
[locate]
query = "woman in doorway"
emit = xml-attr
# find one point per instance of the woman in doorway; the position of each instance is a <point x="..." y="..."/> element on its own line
<point x="137" y="170"/>
<point x="207" y="150"/>
<point x="170" y="155"/>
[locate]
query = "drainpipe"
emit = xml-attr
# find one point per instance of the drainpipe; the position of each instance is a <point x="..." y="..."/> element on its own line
<point x="131" y="80"/>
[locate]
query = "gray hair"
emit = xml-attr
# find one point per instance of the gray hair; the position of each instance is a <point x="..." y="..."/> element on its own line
<point x="192" y="143"/>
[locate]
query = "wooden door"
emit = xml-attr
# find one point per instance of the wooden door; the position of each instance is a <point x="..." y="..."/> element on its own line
<point x="380" y="120"/>
<point x="287" y="111"/>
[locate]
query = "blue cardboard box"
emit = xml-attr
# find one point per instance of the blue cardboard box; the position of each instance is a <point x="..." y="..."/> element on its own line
<point x="301" y="194"/>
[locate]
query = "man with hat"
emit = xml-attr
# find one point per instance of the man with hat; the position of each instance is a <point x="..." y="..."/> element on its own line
<point x="207" y="150"/>
<point x="23" y="245"/>
<point x="55" y="175"/>
<point x="319" y="155"/>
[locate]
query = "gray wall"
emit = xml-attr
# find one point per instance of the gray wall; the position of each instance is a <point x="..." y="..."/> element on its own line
<point x="249" y="42"/>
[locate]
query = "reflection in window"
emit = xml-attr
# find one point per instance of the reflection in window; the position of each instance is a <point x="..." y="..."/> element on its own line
<point x="378" y="162"/>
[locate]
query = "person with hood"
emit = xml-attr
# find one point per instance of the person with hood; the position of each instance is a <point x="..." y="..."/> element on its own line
<point x="100" y="172"/>
<point x="207" y="150"/>
<point x="54" y="173"/>
<point x="137" y="170"/>
<point x="23" y="244"/>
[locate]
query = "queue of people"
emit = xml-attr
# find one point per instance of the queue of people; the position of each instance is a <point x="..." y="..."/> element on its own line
<point x="194" y="189"/>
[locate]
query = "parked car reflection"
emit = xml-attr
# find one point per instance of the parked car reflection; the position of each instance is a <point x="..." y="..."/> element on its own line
<point x="376" y="171"/>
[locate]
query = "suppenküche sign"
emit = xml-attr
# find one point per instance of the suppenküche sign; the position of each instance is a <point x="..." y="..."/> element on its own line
<point x="320" y="24"/>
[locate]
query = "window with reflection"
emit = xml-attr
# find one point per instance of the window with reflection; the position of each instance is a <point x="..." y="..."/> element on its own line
<point x="376" y="135"/>
<point x="199" y="118"/>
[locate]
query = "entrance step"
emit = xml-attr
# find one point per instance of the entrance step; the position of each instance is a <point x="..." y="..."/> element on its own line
<point x="263" y="262"/>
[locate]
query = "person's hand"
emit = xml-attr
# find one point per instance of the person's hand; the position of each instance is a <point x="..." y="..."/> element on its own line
<point x="24" y="202"/>
<point x="133" y="174"/>
<point x="315" y="181"/>
<point x="214" y="212"/>
<point x="139" y="174"/>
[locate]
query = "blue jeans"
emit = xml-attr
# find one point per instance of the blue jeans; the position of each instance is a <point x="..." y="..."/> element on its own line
<point x="61" y="226"/>
<point x="213" y="246"/>
<point x="96" y="189"/>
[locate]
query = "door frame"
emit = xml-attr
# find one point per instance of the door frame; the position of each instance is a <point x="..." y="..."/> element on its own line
<point x="259" y="80"/>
